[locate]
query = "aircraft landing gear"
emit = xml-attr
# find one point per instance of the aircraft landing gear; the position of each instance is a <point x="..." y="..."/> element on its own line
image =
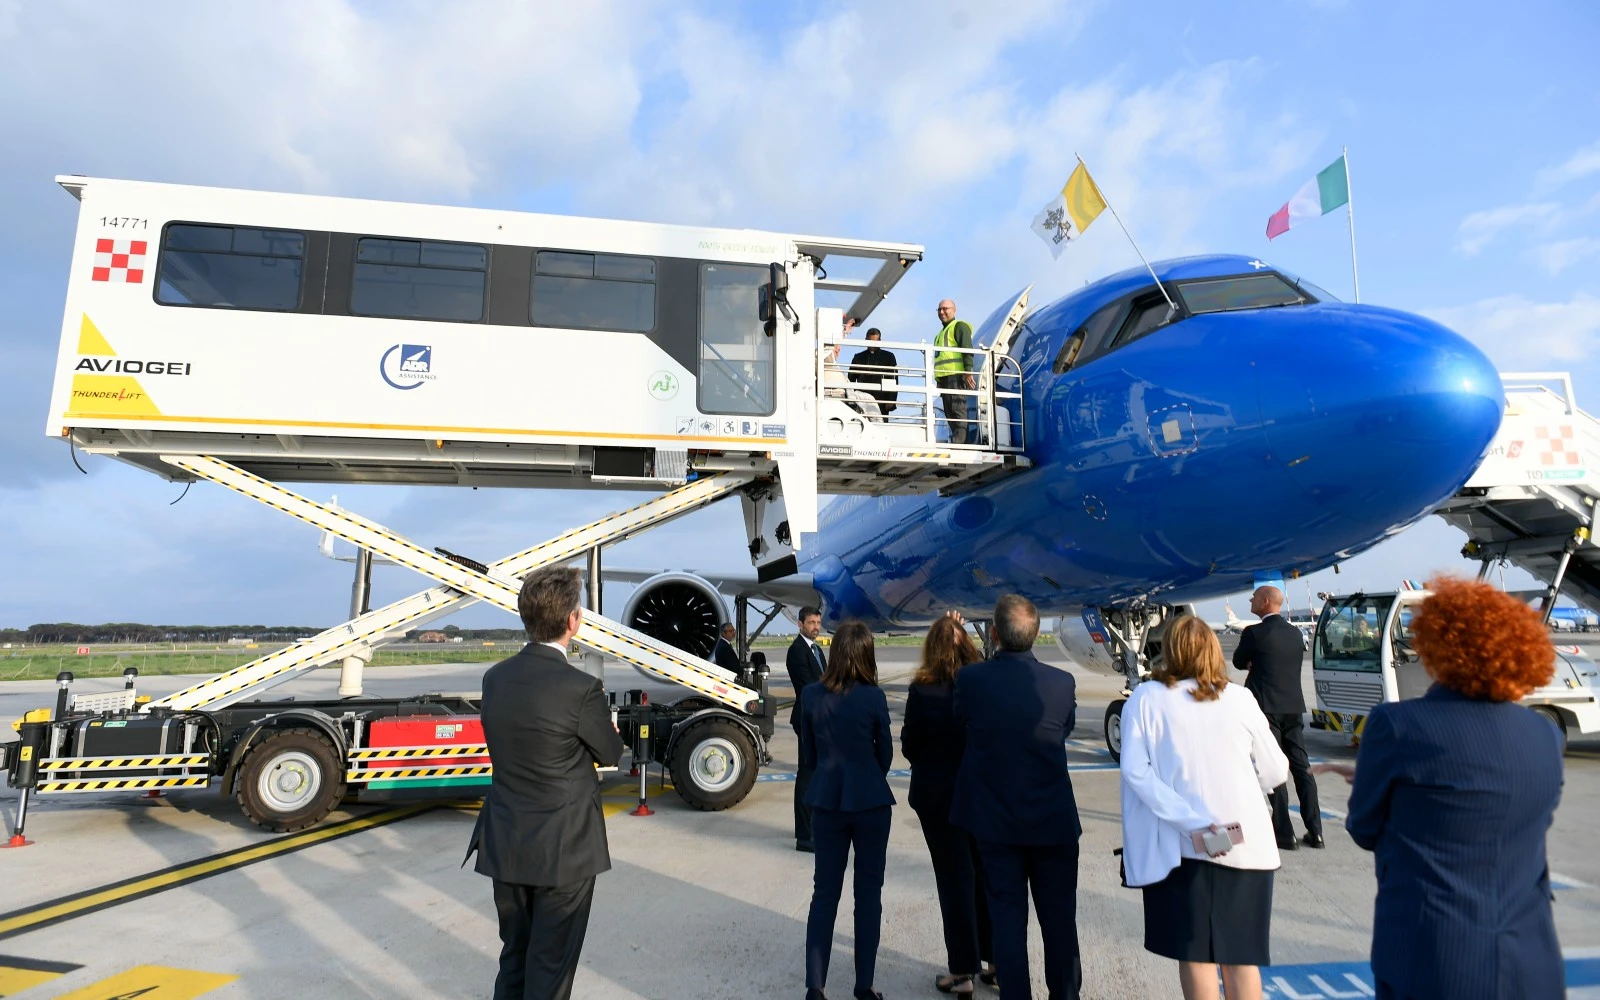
<point x="1133" y="637"/>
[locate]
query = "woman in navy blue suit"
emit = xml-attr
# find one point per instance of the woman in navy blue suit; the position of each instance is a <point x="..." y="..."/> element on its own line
<point x="844" y="736"/>
<point x="933" y="741"/>
<point x="1453" y="793"/>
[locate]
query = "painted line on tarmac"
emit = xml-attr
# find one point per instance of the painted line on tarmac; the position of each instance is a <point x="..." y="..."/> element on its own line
<point x="1338" y="980"/>
<point x="152" y="981"/>
<point x="32" y="918"/>
<point x="18" y="974"/>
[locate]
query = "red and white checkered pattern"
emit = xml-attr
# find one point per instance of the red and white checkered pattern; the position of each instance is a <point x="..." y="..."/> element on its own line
<point x="119" y="260"/>
<point x="1557" y="445"/>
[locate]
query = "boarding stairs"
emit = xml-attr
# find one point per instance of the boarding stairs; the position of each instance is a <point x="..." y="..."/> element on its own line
<point x="461" y="581"/>
<point x="1532" y="501"/>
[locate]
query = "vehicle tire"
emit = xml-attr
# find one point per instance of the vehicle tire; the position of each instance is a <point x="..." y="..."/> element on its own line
<point x="289" y="780"/>
<point x="1114" y="728"/>
<point x="713" y="764"/>
<point x="1554" y="715"/>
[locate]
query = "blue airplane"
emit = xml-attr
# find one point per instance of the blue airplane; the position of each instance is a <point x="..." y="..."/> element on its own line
<point x="1261" y="429"/>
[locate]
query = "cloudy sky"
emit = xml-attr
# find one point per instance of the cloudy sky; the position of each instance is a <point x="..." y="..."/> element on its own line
<point x="1474" y="140"/>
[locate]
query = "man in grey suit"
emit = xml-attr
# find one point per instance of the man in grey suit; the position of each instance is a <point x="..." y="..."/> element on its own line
<point x="806" y="662"/>
<point x="541" y="835"/>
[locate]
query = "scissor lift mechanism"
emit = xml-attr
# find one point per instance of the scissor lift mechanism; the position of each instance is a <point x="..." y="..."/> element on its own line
<point x="720" y="699"/>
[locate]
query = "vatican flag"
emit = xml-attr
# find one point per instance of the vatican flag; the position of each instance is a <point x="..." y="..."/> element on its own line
<point x="1078" y="204"/>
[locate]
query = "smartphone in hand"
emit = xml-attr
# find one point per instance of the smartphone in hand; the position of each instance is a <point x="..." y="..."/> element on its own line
<point x="1219" y="843"/>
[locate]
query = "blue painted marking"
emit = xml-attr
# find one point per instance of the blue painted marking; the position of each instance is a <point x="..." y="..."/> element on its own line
<point x="1353" y="980"/>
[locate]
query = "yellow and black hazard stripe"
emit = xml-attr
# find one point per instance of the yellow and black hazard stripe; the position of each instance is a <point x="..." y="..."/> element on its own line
<point x="406" y="773"/>
<point x="408" y="753"/>
<point x="1338" y="722"/>
<point x="123" y="763"/>
<point x="120" y="784"/>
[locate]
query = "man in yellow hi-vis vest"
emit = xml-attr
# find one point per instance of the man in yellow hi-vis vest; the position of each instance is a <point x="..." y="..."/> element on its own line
<point x="953" y="370"/>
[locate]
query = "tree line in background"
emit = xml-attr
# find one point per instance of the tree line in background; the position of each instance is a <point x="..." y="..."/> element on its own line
<point x="69" y="633"/>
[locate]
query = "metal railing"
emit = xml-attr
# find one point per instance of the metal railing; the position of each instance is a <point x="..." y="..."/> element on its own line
<point x="907" y="395"/>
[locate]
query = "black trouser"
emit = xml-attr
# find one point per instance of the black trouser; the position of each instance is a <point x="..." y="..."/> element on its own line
<point x="955" y="407"/>
<point x="963" y="896"/>
<point x="1289" y="730"/>
<point x="802" y="812"/>
<point x="1052" y="874"/>
<point x="838" y="833"/>
<point x="541" y="934"/>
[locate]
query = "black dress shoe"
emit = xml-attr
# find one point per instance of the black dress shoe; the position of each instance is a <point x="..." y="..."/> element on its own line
<point x="804" y="846"/>
<point x="816" y="995"/>
<point x="1313" y="840"/>
<point x="868" y="995"/>
<point x="1288" y="845"/>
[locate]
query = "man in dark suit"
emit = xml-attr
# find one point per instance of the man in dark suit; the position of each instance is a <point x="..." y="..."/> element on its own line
<point x="724" y="654"/>
<point x="871" y="357"/>
<point x="1013" y="794"/>
<point x="541" y="835"/>
<point x="1273" y="653"/>
<point x="806" y="662"/>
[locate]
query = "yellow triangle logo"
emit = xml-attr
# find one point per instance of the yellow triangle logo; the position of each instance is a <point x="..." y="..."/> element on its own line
<point x="90" y="340"/>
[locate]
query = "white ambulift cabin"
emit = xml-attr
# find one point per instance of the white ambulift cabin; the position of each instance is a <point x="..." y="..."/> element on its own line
<point x="255" y="339"/>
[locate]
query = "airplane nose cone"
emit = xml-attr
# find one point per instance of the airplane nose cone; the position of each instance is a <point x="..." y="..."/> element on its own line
<point x="1378" y="415"/>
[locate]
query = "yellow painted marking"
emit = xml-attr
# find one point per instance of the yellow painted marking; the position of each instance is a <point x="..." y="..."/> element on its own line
<point x="14" y="981"/>
<point x="118" y="396"/>
<point x="91" y="340"/>
<point x="152" y="982"/>
<point x="429" y="429"/>
<point x="27" y="919"/>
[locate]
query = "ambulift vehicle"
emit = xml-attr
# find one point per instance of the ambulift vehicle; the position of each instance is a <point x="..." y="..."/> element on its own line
<point x="252" y="339"/>
<point x="1362" y="656"/>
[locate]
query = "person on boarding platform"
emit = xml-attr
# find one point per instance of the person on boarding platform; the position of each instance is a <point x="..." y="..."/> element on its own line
<point x="871" y="365"/>
<point x="1273" y="651"/>
<point x="952" y="369"/>
<point x="1197" y="758"/>
<point x="1013" y="794"/>
<point x="541" y="835"/>
<point x="806" y="662"/>
<point x="1453" y="793"/>
<point x="933" y="741"/>
<point x="845" y="740"/>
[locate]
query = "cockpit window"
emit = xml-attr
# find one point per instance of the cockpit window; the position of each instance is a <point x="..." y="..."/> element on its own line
<point x="1090" y="338"/>
<point x="1147" y="315"/>
<point x="1246" y="291"/>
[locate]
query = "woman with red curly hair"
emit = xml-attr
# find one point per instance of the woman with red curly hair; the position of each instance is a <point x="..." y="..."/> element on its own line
<point x="1453" y="793"/>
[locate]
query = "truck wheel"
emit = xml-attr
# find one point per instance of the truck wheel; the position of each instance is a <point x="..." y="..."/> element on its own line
<point x="289" y="780"/>
<point x="1554" y="715"/>
<point x="713" y="764"/>
<point x="1114" y="729"/>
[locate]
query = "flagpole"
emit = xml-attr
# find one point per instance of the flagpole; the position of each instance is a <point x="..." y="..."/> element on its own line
<point x="1350" y="216"/>
<point x="1172" y="305"/>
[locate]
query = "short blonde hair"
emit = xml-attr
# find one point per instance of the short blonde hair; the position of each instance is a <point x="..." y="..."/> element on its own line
<point x="1191" y="650"/>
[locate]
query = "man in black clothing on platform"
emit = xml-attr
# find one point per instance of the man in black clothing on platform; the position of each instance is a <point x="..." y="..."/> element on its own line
<point x="806" y="662"/>
<point x="1273" y="652"/>
<point x="875" y="357"/>
<point x="541" y="835"/>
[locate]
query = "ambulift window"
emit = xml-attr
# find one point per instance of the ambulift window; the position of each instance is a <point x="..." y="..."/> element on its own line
<point x="230" y="267"/>
<point x="594" y="291"/>
<point x="419" y="279"/>
<point x="1246" y="291"/>
<point x="1348" y="633"/>
<point x="737" y="367"/>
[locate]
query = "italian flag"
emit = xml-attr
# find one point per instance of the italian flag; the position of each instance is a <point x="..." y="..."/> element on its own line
<point x="1321" y="195"/>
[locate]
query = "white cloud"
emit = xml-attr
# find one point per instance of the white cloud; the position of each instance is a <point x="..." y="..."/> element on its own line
<point x="1518" y="333"/>
<point x="1581" y="164"/>
<point x="1480" y="228"/>
<point x="1562" y="254"/>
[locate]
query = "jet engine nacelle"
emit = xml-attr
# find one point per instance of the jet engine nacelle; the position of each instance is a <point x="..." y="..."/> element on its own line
<point x="679" y="609"/>
<point x="1075" y="643"/>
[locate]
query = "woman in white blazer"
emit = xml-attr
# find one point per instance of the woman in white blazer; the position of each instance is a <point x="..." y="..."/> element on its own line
<point x="1198" y="755"/>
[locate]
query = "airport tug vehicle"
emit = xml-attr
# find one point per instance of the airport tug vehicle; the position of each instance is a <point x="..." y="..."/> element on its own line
<point x="251" y="340"/>
<point x="1362" y="656"/>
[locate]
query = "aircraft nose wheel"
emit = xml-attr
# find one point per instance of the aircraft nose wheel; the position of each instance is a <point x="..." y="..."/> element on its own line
<point x="1114" y="728"/>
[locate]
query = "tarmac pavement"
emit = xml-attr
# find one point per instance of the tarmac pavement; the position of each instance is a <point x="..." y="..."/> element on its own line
<point x="375" y="903"/>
